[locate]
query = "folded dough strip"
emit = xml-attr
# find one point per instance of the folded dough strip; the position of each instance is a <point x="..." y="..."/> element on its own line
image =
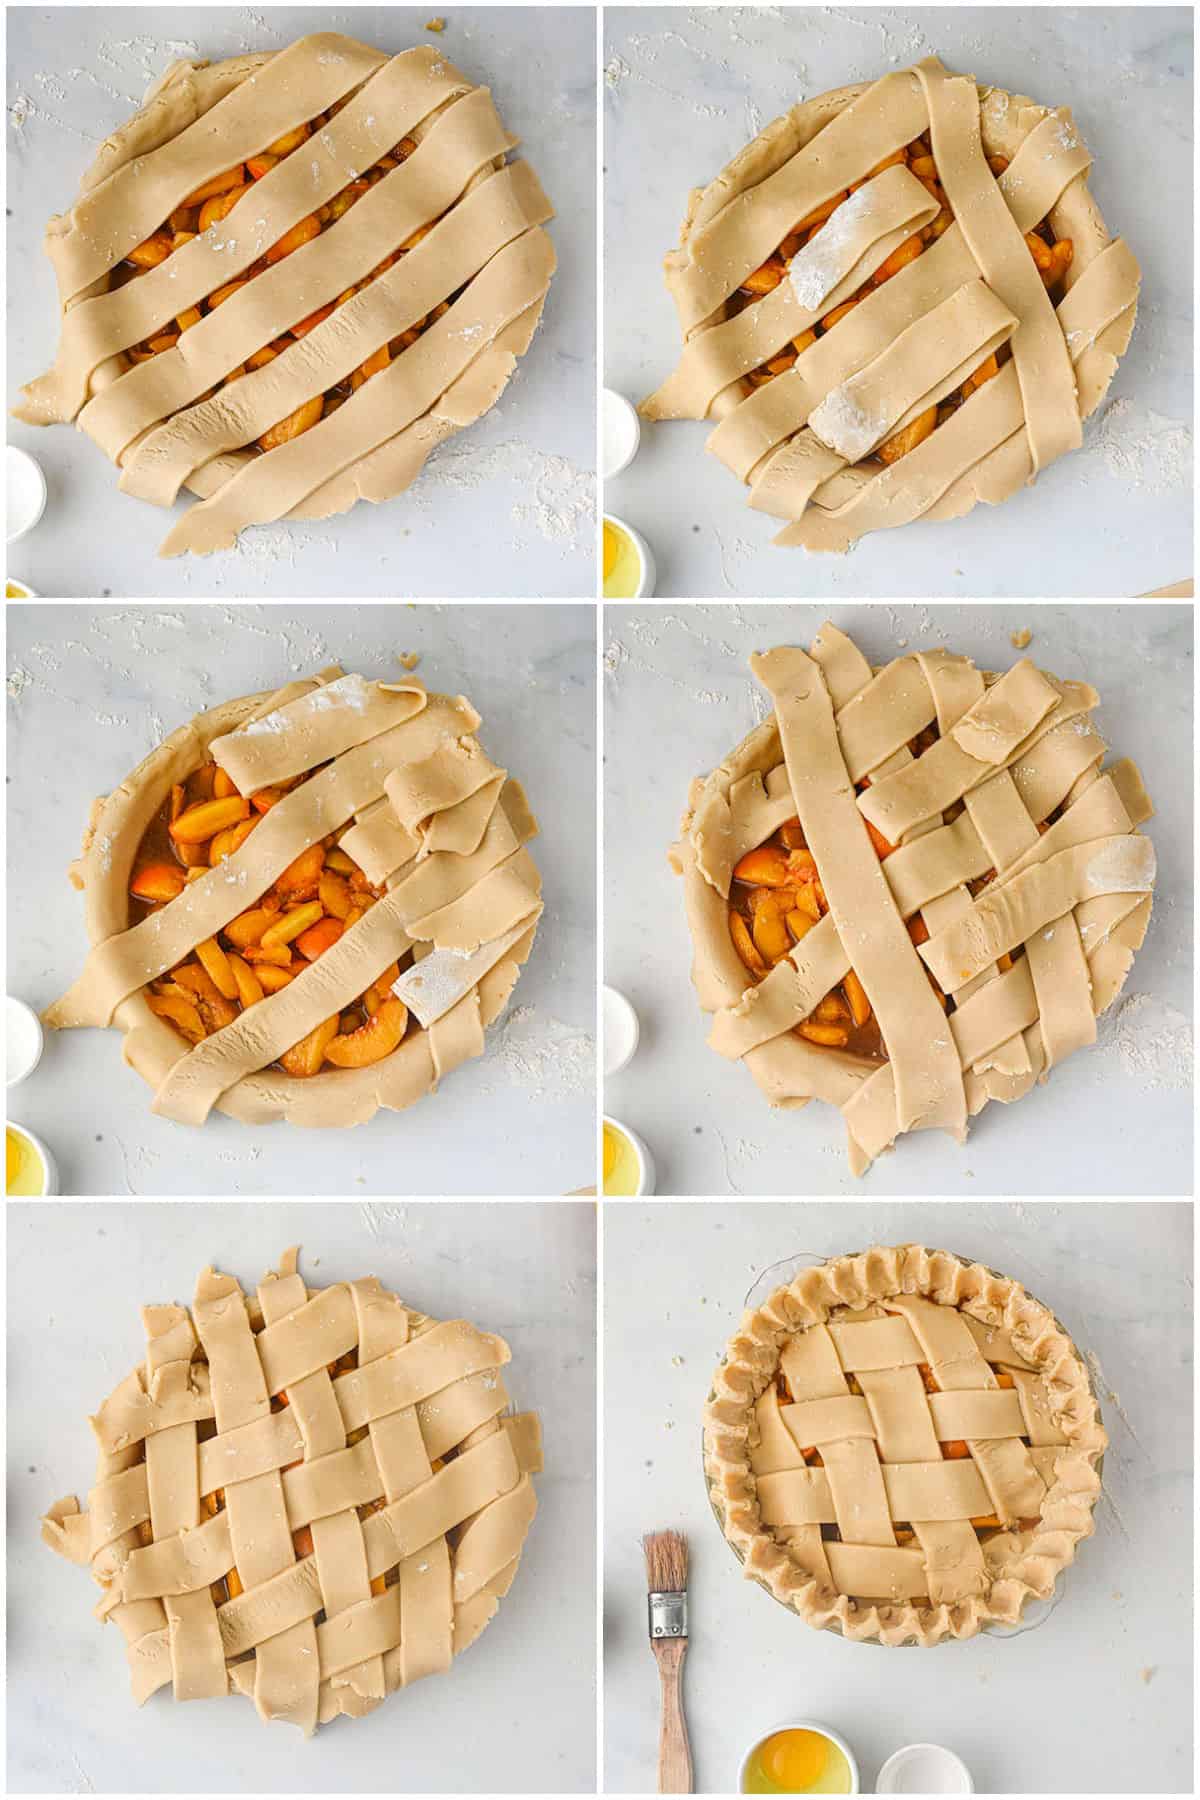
<point x="273" y="483"/>
<point x="313" y="728"/>
<point x="856" y="241"/>
<point x="509" y="203"/>
<point x="463" y="139"/>
<point x="125" y="962"/>
<point x="298" y="83"/>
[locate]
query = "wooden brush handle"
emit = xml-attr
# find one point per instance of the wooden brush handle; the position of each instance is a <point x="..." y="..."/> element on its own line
<point x="674" y="1751"/>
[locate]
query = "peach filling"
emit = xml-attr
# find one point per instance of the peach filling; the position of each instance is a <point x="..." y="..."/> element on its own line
<point x="212" y="203"/>
<point x="305" y="911"/>
<point x="1052" y="257"/>
<point x="777" y="897"/>
<point x="952" y="1449"/>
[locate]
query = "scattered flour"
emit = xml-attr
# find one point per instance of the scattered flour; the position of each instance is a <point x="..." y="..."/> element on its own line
<point x="558" y="497"/>
<point x="1141" y="447"/>
<point x="543" y="1055"/>
<point x="1152" y="1039"/>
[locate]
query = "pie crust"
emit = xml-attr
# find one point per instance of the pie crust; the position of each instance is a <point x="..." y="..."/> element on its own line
<point x="917" y="1381"/>
<point x="443" y="259"/>
<point x="288" y="1479"/>
<point x="1009" y="971"/>
<point x="930" y="274"/>
<point x="428" y="817"/>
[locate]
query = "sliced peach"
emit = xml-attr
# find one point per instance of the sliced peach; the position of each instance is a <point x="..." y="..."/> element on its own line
<point x="375" y="364"/>
<point x="299" y="880"/>
<point x="221" y="205"/>
<point x="334" y="894"/>
<point x="278" y="954"/>
<point x="216" y="184"/>
<point x="295" y="425"/>
<point x="343" y="864"/>
<point x="158" y="881"/>
<point x="772" y="939"/>
<point x="353" y="916"/>
<point x="765" y="867"/>
<point x="303" y="232"/>
<point x="226" y="842"/>
<point x="288" y="926"/>
<point x="191" y="315"/>
<point x="743" y="943"/>
<point x="372" y="1041"/>
<point x="249" y="985"/>
<point x="178" y="800"/>
<point x="272" y="978"/>
<point x="261" y="165"/>
<point x="881" y="846"/>
<point x="856" y="995"/>
<point x="918" y="930"/>
<point x="180" y="1011"/>
<point x="214" y="960"/>
<point x="380" y="989"/>
<point x="266" y="798"/>
<point x="832" y="1010"/>
<point x="807" y="901"/>
<point x="306" y="1057"/>
<point x="833" y="1037"/>
<point x="248" y="927"/>
<point x="799" y="924"/>
<point x="199" y="823"/>
<point x="200" y="782"/>
<point x="215" y="1009"/>
<point x="319" y="937"/>
<point x="155" y="250"/>
<point x="291" y="140"/>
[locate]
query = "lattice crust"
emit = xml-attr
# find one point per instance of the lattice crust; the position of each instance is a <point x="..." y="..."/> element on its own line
<point x="392" y="268"/>
<point x="310" y="1497"/>
<point x="945" y="372"/>
<point x="422" y="811"/>
<point x="931" y="1461"/>
<point x="988" y="894"/>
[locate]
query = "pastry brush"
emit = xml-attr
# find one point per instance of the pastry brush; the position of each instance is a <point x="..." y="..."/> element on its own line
<point x="666" y="1585"/>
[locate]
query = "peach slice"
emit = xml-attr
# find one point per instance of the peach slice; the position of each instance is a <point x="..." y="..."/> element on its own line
<point x="215" y="962"/>
<point x="248" y="927"/>
<point x="319" y="937"/>
<point x="856" y="994"/>
<point x="224" y="786"/>
<point x="334" y="894"/>
<point x="158" y="881"/>
<point x="221" y="205"/>
<point x="199" y="823"/>
<point x="303" y="232"/>
<point x="155" y="250"/>
<point x="372" y="1041"/>
<point x="380" y="990"/>
<point x="743" y="943"/>
<point x="306" y="1057"/>
<point x="277" y="954"/>
<point x="226" y="842"/>
<point x="272" y="978"/>
<point x="215" y="1010"/>
<point x="288" y="926"/>
<point x="216" y="184"/>
<point x="338" y="860"/>
<point x="832" y="1037"/>
<point x="249" y="985"/>
<point x="181" y="1012"/>
<point x="299" y="880"/>
<point x="772" y="938"/>
<point x="765" y="867"/>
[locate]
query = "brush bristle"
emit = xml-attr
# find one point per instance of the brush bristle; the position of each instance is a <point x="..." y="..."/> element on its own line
<point x="666" y="1562"/>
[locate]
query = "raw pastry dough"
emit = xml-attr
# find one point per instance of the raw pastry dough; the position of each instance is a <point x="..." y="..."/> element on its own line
<point x="419" y="296"/>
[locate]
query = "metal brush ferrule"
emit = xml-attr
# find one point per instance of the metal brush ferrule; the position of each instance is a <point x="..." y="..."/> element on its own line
<point x="668" y="1615"/>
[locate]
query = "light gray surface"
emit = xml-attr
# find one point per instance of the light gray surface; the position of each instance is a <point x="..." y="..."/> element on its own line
<point x="78" y="1276"/>
<point x="688" y="87"/>
<point x="93" y="689"/>
<point x="1115" y="1119"/>
<point x="506" y="507"/>
<point x="1097" y="1698"/>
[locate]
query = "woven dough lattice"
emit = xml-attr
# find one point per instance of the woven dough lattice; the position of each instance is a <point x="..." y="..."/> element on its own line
<point x="900" y="299"/>
<point x="310" y="1497"/>
<point x="987" y="893"/>
<point x="399" y="777"/>
<point x="363" y="272"/>
<point x="903" y="1445"/>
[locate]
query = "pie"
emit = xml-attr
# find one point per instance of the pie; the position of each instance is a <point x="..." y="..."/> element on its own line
<point x="307" y="904"/>
<point x="308" y="1496"/>
<point x="912" y="889"/>
<point x="898" y="300"/>
<point x="903" y="1446"/>
<point x="290" y="277"/>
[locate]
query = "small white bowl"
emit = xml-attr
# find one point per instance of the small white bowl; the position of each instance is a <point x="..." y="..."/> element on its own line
<point x="825" y="1731"/>
<point x="646" y="569"/>
<point x="646" y="1170"/>
<point x="25" y="494"/>
<point x="24" y="1038"/>
<point x="49" y="1166"/>
<point x="924" y="1769"/>
<point x="621" y="1031"/>
<point x="620" y="433"/>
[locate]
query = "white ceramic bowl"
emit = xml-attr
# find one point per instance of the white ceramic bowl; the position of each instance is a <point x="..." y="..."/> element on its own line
<point x="621" y="1031"/>
<point x="620" y="433"/>
<point x="25" y="487"/>
<point x="645" y="1162"/>
<point x="924" y="1769"/>
<point x="646" y="569"/>
<point x="825" y="1731"/>
<point x="25" y="1040"/>
<point x="50" y="1184"/>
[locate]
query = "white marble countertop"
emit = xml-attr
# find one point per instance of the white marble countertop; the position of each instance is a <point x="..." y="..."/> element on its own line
<point x="506" y="507"/>
<point x="78" y="1276"/>
<point x="687" y="87"/>
<point x="1097" y="1699"/>
<point x="93" y="689"/>
<point x="1114" y="1119"/>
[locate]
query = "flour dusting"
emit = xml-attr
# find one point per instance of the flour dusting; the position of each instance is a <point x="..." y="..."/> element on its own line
<point x="1152" y="1038"/>
<point x="541" y="1054"/>
<point x="1142" y="447"/>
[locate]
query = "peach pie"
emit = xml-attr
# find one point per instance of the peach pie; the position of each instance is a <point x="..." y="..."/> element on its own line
<point x="903" y="1446"/>
<point x="311" y="1497"/>
<point x="307" y="904"/>
<point x="898" y="300"/>
<point x="289" y="278"/>
<point x="912" y="889"/>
